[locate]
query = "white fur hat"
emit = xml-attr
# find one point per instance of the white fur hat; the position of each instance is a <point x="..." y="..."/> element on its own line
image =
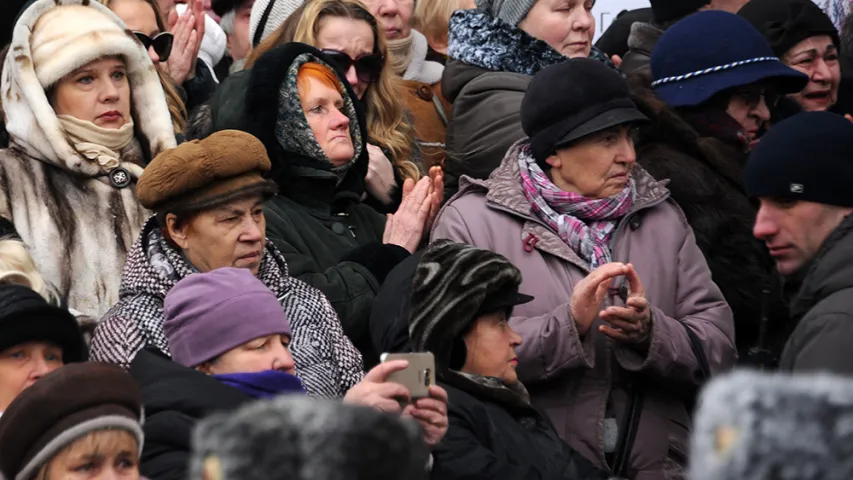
<point x="70" y="36"/>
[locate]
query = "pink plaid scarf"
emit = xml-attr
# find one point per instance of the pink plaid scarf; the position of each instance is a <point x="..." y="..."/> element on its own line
<point x="584" y="224"/>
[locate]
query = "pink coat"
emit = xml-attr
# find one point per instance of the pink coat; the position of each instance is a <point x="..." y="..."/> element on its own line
<point x="573" y="378"/>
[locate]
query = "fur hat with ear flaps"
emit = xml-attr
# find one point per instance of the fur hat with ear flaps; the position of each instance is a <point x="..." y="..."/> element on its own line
<point x="51" y="39"/>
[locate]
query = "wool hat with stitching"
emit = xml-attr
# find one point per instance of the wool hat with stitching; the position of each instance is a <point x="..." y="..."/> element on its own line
<point x="204" y="174"/>
<point x="267" y="16"/>
<point x="25" y="316"/>
<point x="573" y="99"/>
<point x="668" y="10"/>
<point x="712" y="51"/>
<point x="785" y="23"/>
<point x="63" y="406"/>
<point x="510" y="11"/>
<point x="208" y="314"/>
<point x="805" y="157"/>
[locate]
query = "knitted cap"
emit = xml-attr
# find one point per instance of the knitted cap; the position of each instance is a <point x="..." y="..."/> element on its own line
<point x="668" y="10"/>
<point x="785" y="23"/>
<point x="205" y="173"/>
<point x="68" y="37"/>
<point x="267" y="16"/>
<point x="510" y="11"/>
<point x="712" y="51"/>
<point x="63" y="406"/>
<point x="27" y="317"/>
<point x="294" y="437"/>
<point x="208" y="314"/>
<point x="805" y="157"/>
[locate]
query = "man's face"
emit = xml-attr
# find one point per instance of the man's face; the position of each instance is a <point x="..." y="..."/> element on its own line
<point x="795" y="230"/>
<point x="239" y="43"/>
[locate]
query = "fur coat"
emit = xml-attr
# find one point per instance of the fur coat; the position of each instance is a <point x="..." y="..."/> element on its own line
<point x="77" y="225"/>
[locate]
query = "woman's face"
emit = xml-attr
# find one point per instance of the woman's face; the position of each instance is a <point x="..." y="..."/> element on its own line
<point x="22" y="365"/>
<point x="394" y="16"/>
<point x="323" y="107"/>
<point x="491" y="348"/>
<point x="352" y="37"/>
<point x="748" y="106"/>
<point x="567" y="25"/>
<point x="229" y="236"/>
<point x="103" y="455"/>
<point x="817" y="57"/>
<point x="596" y="166"/>
<point x="97" y="92"/>
<point x="139" y="17"/>
<point x="265" y="353"/>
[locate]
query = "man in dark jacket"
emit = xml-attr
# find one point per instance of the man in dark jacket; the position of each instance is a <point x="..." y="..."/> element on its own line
<point x="462" y="297"/>
<point x="801" y="172"/>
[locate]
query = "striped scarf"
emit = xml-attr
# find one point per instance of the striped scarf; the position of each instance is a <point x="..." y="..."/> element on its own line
<point x="586" y="225"/>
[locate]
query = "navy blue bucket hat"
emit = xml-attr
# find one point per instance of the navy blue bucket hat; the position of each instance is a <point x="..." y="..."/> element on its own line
<point x="712" y="51"/>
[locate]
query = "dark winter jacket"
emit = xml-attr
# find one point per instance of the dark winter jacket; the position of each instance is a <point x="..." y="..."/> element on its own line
<point x="488" y="440"/>
<point x="330" y="239"/>
<point x="175" y="398"/>
<point x="492" y="64"/>
<point x="389" y="317"/>
<point x="641" y="43"/>
<point x="706" y="180"/>
<point x="823" y="309"/>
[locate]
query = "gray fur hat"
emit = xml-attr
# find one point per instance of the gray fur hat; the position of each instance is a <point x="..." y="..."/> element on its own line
<point x="301" y="438"/>
<point x="753" y="426"/>
<point x="510" y="11"/>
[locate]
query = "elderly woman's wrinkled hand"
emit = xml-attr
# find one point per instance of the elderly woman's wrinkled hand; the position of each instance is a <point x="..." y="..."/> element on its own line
<point x="436" y="196"/>
<point x="590" y="292"/>
<point x="630" y="324"/>
<point x="376" y="392"/>
<point x="406" y="227"/>
<point x="431" y="415"/>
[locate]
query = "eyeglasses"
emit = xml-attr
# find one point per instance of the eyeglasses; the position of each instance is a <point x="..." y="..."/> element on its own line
<point x="162" y="43"/>
<point x="753" y="94"/>
<point x="367" y="68"/>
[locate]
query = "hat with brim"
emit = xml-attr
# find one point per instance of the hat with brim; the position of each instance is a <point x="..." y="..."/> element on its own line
<point x="27" y="317"/>
<point x="507" y="297"/>
<point x="695" y="88"/>
<point x="603" y="121"/>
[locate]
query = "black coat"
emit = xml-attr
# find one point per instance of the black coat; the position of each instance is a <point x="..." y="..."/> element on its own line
<point x="491" y="441"/>
<point x="706" y="180"/>
<point x="175" y="398"/>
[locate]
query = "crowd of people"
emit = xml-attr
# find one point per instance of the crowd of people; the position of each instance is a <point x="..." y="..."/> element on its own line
<point x="217" y="217"/>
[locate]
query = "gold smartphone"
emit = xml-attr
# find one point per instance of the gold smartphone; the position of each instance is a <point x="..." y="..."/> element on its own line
<point x="418" y="376"/>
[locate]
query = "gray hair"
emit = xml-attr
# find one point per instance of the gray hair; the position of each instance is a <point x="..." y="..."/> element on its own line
<point x="226" y="23"/>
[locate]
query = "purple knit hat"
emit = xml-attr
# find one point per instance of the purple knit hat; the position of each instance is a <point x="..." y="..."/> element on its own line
<point x="208" y="314"/>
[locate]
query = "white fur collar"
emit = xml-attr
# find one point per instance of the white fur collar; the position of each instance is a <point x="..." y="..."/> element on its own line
<point x="420" y="69"/>
<point x="31" y="121"/>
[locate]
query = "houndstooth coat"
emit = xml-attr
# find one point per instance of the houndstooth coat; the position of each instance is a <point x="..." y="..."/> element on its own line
<point x="326" y="361"/>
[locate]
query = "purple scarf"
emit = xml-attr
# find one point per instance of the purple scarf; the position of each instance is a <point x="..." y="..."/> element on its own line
<point x="584" y="224"/>
<point x="266" y="384"/>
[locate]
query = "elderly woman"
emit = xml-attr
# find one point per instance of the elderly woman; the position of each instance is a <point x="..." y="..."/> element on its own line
<point x="82" y="421"/>
<point x="625" y="309"/>
<point x="316" y="137"/>
<point x="85" y="112"/>
<point x="703" y="127"/>
<point x="36" y="338"/>
<point x="208" y="197"/>
<point x="230" y="342"/>
<point x="495" y="51"/>
<point x="805" y="39"/>
<point x="494" y="431"/>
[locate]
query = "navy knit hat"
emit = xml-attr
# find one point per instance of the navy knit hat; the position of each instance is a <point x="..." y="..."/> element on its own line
<point x="712" y="51"/>
<point x="806" y="157"/>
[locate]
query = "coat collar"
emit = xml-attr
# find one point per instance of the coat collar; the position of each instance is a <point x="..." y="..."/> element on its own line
<point x="420" y="69"/>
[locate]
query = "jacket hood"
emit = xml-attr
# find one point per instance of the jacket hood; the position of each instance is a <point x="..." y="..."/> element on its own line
<point x="299" y="157"/>
<point x="828" y="272"/>
<point x="32" y="123"/>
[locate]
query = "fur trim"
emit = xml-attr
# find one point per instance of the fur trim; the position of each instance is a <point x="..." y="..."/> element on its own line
<point x="31" y="121"/>
<point x="420" y="69"/>
<point x="480" y="40"/>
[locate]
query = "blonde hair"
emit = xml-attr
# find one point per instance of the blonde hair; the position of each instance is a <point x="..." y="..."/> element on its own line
<point x="177" y="108"/>
<point x="18" y="268"/>
<point x="108" y="441"/>
<point x="387" y="122"/>
<point x="432" y="19"/>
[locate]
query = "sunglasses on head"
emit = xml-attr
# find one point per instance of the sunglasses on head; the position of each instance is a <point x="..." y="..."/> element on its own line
<point x="367" y="68"/>
<point x="162" y="43"/>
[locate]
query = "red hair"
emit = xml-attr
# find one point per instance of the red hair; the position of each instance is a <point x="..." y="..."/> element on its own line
<point x="319" y="72"/>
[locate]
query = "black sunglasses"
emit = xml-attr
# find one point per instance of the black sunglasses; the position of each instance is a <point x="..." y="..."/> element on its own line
<point x="162" y="43"/>
<point x="753" y="94"/>
<point x="367" y="68"/>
